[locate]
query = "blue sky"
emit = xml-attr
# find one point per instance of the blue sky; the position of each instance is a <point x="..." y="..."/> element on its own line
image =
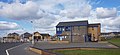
<point x="107" y="3"/>
<point x="45" y="14"/>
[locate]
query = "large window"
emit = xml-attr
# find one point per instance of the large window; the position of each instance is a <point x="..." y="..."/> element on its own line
<point x="92" y="28"/>
<point x="63" y="29"/>
<point x="67" y="28"/>
<point x="58" y="29"/>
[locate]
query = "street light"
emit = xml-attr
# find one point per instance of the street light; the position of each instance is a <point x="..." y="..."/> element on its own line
<point x="33" y="42"/>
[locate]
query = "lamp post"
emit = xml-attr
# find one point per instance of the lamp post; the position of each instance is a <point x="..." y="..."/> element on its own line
<point x="33" y="42"/>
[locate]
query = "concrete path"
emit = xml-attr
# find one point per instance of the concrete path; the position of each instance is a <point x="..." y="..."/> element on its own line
<point x="45" y="45"/>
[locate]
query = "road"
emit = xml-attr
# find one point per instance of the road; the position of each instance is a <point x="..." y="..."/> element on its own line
<point x="4" y="46"/>
<point x="15" y="49"/>
<point x="21" y="50"/>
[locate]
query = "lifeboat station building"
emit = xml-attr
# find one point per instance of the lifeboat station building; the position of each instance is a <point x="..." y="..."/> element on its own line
<point x="78" y="31"/>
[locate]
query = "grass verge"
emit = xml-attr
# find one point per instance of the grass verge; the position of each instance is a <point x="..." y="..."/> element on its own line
<point x="116" y="41"/>
<point x="93" y="52"/>
<point x="89" y="52"/>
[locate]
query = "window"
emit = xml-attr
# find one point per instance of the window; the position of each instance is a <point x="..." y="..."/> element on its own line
<point x="58" y="29"/>
<point x="92" y="28"/>
<point x="63" y="29"/>
<point x="65" y="36"/>
<point x="67" y="28"/>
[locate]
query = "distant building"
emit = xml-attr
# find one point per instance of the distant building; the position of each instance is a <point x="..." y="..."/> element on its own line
<point x="46" y="37"/>
<point x="115" y="34"/>
<point x="105" y="36"/>
<point x="12" y="37"/>
<point x="26" y="36"/>
<point x="78" y="31"/>
<point x="110" y="35"/>
<point x="41" y="37"/>
<point x="37" y="36"/>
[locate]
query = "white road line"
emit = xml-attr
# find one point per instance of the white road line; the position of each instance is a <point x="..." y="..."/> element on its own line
<point x="7" y="52"/>
<point x="13" y="48"/>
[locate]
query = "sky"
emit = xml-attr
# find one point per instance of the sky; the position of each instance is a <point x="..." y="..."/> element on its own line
<point x="43" y="15"/>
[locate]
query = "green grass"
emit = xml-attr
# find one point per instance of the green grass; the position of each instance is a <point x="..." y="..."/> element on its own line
<point x="89" y="52"/>
<point x="115" y="41"/>
<point x="93" y="52"/>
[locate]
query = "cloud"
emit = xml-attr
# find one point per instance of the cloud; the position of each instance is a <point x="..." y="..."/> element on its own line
<point x="4" y="25"/>
<point x="46" y="14"/>
<point x="76" y="9"/>
<point x="39" y="8"/>
<point x="18" y="10"/>
<point x="106" y="12"/>
<point x="44" y="21"/>
<point x="108" y="24"/>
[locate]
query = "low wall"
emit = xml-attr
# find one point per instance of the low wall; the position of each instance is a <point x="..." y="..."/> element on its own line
<point x="47" y="52"/>
<point x="58" y="41"/>
<point x="35" y="50"/>
<point x="41" y="52"/>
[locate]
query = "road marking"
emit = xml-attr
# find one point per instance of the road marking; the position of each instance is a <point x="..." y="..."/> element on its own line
<point x="13" y="48"/>
<point x="7" y="52"/>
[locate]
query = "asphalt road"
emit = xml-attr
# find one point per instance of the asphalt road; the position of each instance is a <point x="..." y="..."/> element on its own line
<point x="4" y="46"/>
<point x="21" y="50"/>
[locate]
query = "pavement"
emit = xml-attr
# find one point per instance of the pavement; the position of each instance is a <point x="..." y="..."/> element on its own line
<point x="45" y="45"/>
<point x="4" y="46"/>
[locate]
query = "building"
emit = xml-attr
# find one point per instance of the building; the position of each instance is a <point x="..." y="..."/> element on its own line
<point x="37" y="36"/>
<point x="105" y="36"/>
<point x="41" y="37"/>
<point x="46" y="37"/>
<point x="94" y="31"/>
<point x="115" y="34"/>
<point x="26" y="36"/>
<point x="109" y="35"/>
<point x="77" y="31"/>
<point x="12" y="37"/>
